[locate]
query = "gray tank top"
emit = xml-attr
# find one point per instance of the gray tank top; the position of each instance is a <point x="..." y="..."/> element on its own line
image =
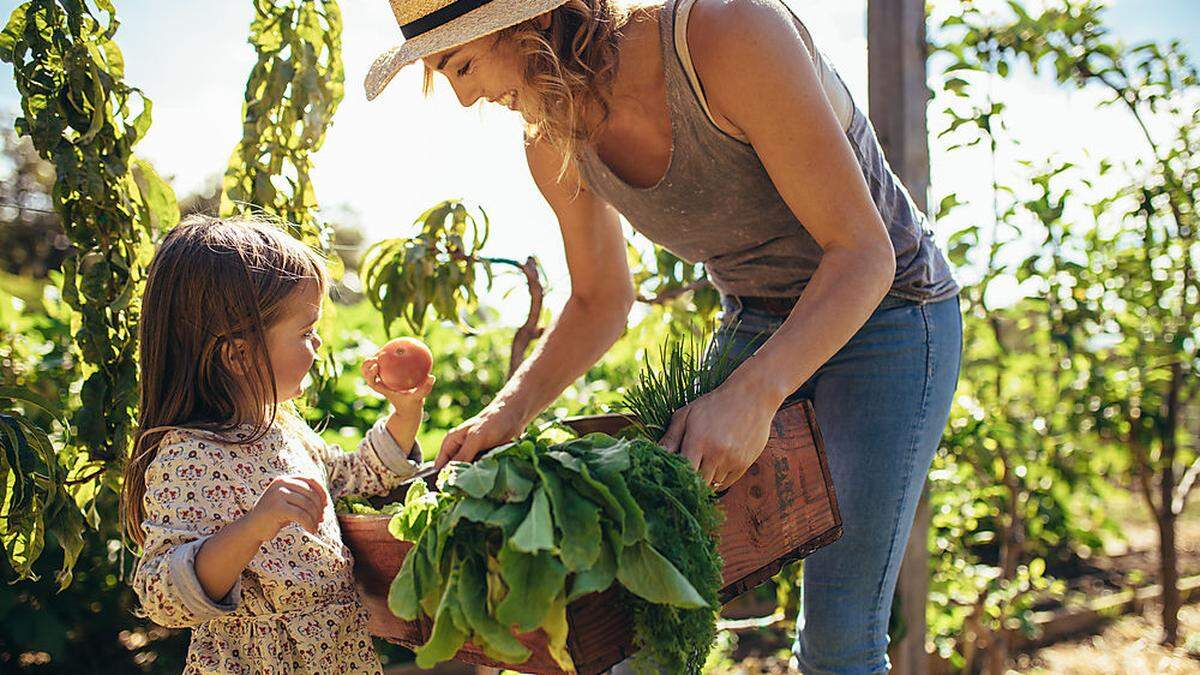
<point x="716" y="203"/>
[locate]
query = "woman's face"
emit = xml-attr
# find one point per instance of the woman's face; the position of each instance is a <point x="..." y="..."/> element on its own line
<point x="487" y="68"/>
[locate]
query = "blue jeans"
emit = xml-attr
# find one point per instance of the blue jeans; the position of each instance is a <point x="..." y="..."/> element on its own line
<point x="882" y="403"/>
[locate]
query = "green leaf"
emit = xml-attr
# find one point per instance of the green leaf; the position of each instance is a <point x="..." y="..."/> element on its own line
<point x="447" y="637"/>
<point x="508" y="517"/>
<point x="511" y="485"/>
<point x="489" y="634"/>
<point x="477" y="510"/>
<point x="476" y="479"/>
<point x="647" y="574"/>
<point x="556" y="628"/>
<point x="156" y="194"/>
<point x="403" y="595"/>
<point x="533" y="581"/>
<point x="12" y="33"/>
<point x="577" y="519"/>
<point x="536" y="533"/>
<point x="596" y="578"/>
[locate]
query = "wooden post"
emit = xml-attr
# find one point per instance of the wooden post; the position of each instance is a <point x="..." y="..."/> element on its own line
<point x="898" y="100"/>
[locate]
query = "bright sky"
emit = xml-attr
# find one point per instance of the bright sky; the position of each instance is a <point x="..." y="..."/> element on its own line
<point x="392" y="158"/>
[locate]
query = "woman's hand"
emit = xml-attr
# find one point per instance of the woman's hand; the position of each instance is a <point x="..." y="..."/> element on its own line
<point x="723" y="432"/>
<point x="494" y="425"/>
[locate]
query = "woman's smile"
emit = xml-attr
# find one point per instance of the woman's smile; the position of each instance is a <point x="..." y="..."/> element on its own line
<point x="508" y="99"/>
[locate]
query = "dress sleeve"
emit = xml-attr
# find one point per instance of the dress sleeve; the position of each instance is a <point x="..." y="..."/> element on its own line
<point x="378" y="466"/>
<point x="189" y="497"/>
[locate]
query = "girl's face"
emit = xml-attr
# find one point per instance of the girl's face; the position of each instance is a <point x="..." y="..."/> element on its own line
<point x="487" y="68"/>
<point x="292" y="341"/>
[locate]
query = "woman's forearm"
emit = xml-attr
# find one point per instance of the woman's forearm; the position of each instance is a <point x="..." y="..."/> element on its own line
<point x="845" y="289"/>
<point x="576" y="340"/>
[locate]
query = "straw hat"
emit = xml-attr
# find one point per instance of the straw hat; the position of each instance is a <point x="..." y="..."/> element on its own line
<point x="432" y="26"/>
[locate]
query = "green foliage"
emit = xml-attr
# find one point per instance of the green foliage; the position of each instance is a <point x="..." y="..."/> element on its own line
<point x="292" y="93"/>
<point x="81" y="117"/>
<point x="530" y="526"/>
<point x="685" y="372"/>
<point x="1081" y="375"/>
<point x="436" y="268"/>
<point x="666" y="279"/>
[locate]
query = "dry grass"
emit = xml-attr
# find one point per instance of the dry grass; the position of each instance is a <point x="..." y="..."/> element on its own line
<point x="1128" y="645"/>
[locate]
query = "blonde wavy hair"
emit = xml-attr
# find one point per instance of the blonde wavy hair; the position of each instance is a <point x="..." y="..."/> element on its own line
<point x="569" y="66"/>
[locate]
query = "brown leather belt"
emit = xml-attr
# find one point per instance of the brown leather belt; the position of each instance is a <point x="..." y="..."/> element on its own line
<point x="778" y="306"/>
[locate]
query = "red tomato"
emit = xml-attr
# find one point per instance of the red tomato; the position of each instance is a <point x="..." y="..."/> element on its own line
<point x="404" y="363"/>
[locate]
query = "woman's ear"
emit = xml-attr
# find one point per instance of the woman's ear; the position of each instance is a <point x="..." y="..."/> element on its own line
<point x="543" y="21"/>
<point x="236" y="356"/>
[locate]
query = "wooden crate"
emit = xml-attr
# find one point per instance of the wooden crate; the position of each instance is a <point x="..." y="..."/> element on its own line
<point x="781" y="510"/>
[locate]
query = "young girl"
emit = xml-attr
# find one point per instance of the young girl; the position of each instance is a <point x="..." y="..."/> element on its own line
<point x="229" y="492"/>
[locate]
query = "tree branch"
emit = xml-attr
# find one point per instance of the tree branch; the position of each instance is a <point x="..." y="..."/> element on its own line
<point x="1185" y="487"/>
<point x="1142" y="472"/>
<point x="530" y="331"/>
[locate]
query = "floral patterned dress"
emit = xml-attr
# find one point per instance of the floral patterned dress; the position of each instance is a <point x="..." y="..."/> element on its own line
<point x="294" y="609"/>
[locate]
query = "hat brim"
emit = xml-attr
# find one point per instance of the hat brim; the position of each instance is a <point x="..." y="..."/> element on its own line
<point x="485" y="20"/>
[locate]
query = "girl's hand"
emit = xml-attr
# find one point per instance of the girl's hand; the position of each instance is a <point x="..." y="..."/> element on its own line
<point x="288" y="499"/>
<point x="493" y="426"/>
<point x="721" y="433"/>
<point x="399" y="399"/>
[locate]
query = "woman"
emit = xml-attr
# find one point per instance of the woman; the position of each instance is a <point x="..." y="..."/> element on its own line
<point x="718" y="130"/>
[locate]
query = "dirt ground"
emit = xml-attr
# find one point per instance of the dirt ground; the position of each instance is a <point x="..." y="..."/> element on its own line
<point x="1128" y="645"/>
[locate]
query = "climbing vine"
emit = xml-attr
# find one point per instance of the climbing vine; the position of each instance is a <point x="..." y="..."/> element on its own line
<point x="82" y="117"/>
<point x="291" y="96"/>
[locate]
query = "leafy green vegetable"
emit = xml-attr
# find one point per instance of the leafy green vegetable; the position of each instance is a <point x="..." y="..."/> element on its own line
<point x="532" y="581"/>
<point x="537" y="532"/>
<point x="360" y="506"/>
<point x="506" y="543"/>
<point x="647" y="573"/>
<point x="685" y="373"/>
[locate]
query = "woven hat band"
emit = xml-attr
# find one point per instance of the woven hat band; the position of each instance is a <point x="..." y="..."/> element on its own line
<point x="439" y="17"/>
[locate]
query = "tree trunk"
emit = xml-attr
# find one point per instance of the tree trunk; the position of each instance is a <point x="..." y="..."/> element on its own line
<point x="1168" y="552"/>
<point x="1012" y="544"/>
<point x="899" y="96"/>
<point x="1168" y="564"/>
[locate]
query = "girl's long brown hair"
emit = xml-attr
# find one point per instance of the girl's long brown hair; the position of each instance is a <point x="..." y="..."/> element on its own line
<point x="212" y="281"/>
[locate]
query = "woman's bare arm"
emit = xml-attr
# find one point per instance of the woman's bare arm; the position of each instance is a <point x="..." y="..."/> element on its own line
<point x="759" y="75"/>
<point x="592" y="319"/>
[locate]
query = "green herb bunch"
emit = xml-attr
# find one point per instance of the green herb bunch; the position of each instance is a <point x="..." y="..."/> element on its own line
<point x="512" y="539"/>
<point x="686" y="371"/>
